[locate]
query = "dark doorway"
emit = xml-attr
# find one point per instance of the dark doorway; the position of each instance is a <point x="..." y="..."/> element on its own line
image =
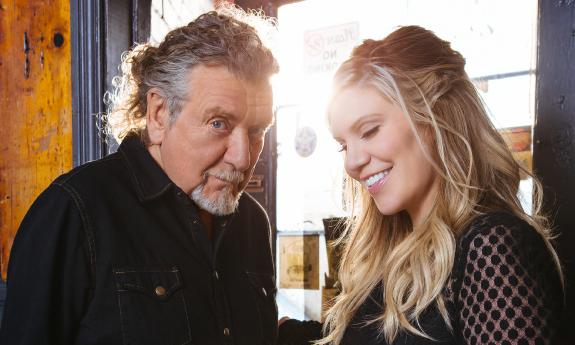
<point x="101" y="32"/>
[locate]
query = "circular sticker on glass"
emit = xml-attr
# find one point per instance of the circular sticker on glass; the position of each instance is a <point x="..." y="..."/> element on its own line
<point x="305" y="141"/>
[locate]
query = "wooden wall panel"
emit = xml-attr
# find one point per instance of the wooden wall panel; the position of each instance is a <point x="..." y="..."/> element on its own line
<point x="35" y="106"/>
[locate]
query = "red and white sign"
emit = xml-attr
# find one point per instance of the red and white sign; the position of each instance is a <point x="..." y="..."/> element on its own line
<point x="325" y="49"/>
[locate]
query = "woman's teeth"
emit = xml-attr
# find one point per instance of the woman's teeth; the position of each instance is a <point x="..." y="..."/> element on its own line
<point x="375" y="178"/>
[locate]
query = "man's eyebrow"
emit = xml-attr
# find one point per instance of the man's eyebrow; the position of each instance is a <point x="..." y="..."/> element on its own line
<point x="218" y="110"/>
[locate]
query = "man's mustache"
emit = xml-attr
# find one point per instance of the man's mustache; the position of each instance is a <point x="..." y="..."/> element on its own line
<point x="232" y="176"/>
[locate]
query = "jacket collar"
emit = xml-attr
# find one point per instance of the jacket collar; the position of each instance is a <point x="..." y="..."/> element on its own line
<point x="149" y="180"/>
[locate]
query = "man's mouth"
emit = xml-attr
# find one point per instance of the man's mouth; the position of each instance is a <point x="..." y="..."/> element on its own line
<point x="233" y="177"/>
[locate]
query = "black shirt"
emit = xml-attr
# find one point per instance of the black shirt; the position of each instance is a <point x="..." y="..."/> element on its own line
<point x="114" y="253"/>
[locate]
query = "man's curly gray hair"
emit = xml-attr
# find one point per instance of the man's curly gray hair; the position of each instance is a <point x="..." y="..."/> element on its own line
<point x="224" y="37"/>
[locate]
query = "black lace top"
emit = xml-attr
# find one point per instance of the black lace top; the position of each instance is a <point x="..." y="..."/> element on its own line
<point x="504" y="289"/>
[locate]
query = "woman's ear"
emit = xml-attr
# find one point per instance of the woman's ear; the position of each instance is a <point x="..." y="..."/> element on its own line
<point x="157" y="116"/>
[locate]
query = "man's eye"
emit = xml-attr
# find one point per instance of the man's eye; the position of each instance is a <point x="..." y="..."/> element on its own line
<point x="218" y="124"/>
<point x="342" y="148"/>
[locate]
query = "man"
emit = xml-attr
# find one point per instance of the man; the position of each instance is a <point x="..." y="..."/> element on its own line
<point x="156" y="244"/>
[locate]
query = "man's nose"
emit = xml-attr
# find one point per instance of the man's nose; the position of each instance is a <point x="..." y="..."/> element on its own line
<point x="238" y="153"/>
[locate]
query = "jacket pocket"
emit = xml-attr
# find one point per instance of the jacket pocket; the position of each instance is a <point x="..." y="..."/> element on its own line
<point x="152" y="307"/>
<point x="264" y="290"/>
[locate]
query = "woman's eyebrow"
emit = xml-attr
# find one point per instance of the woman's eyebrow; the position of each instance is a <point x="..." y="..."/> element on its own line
<point x="363" y="119"/>
<point x="360" y="121"/>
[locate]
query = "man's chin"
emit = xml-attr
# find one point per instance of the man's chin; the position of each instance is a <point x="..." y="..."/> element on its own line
<point x="219" y="205"/>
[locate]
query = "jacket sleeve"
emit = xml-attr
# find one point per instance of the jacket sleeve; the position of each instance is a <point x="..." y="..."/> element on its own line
<point x="295" y="332"/>
<point x="49" y="277"/>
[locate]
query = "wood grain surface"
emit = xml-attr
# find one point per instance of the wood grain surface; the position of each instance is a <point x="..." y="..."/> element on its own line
<point x="35" y="106"/>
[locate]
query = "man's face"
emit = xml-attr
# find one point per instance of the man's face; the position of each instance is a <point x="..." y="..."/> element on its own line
<point x="211" y="148"/>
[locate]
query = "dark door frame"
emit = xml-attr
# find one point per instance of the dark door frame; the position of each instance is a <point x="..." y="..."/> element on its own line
<point x="87" y="79"/>
<point x="101" y="32"/>
<point x="554" y="135"/>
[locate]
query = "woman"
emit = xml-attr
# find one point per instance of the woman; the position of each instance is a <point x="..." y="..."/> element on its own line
<point x="439" y="249"/>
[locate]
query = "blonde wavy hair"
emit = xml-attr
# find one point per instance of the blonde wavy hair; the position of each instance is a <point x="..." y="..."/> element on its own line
<point x="425" y="77"/>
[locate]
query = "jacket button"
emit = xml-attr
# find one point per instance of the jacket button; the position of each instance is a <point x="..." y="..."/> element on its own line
<point x="216" y="275"/>
<point x="227" y="332"/>
<point x="160" y="291"/>
<point x="265" y="292"/>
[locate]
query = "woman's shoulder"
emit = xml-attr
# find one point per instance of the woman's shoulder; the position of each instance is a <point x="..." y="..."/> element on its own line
<point x="499" y="231"/>
<point x="501" y="222"/>
<point x="501" y="235"/>
<point x="503" y="278"/>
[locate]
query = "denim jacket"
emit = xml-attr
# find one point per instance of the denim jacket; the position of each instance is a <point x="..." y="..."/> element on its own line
<point x="114" y="253"/>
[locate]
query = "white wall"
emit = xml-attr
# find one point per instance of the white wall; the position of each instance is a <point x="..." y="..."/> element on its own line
<point x="170" y="14"/>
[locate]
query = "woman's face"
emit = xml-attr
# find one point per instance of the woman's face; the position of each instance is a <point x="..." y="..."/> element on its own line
<point x="382" y="152"/>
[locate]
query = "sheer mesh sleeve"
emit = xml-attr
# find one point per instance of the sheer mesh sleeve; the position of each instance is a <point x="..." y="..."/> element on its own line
<point x="510" y="291"/>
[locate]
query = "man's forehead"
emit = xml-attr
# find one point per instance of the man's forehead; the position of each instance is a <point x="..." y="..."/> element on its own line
<point x="261" y="93"/>
<point x="203" y="72"/>
<point x="219" y="80"/>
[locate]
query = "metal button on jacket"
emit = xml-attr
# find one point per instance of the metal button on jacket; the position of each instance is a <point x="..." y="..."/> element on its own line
<point x="160" y="291"/>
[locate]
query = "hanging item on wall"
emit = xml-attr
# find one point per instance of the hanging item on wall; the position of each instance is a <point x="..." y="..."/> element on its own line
<point x="299" y="262"/>
<point x="305" y="141"/>
<point x="518" y="140"/>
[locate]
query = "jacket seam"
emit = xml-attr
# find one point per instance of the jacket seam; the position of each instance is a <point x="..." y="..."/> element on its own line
<point x="87" y="226"/>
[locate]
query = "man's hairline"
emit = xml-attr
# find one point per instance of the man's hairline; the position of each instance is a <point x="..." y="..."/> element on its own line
<point x="255" y="83"/>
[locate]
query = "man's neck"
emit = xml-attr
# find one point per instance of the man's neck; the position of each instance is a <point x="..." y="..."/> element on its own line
<point x="208" y="220"/>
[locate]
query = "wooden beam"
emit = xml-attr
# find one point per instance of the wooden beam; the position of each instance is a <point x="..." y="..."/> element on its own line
<point x="35" y="98"/>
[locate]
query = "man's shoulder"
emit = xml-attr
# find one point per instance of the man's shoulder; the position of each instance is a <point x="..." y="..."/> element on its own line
<point x="96" y="173"/>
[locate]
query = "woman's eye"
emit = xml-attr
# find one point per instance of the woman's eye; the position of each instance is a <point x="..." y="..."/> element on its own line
<point x="370" y="132"/>
<point x="342" y="147"/>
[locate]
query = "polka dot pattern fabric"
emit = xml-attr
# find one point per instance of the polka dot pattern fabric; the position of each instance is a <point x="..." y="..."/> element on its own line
<point x="508" y="292"/>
